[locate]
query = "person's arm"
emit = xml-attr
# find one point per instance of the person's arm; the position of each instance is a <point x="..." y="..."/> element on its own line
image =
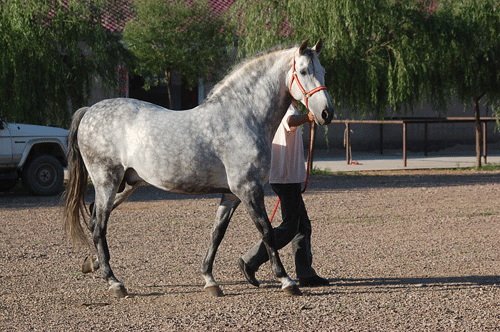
<point x="297" y="120"/>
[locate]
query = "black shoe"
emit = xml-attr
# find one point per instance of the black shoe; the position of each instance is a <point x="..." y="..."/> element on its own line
<point x="313" y="281"/>
<point x="248" y="273"/>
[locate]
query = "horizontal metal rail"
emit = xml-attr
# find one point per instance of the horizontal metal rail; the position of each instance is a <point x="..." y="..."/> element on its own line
<point x="404" y="122"/>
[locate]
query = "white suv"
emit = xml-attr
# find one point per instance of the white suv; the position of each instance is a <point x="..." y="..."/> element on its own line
<point x="36" y="154"/>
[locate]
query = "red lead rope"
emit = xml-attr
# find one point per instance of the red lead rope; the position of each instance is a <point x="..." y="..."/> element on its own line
<point x="312" y="132"/>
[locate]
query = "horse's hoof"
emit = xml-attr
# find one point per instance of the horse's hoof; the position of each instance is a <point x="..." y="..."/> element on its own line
<point x="89" y="265"/>
<point x="214" y="291"/>
<point x="118" y="290"/>
<point x="292" y="290"/>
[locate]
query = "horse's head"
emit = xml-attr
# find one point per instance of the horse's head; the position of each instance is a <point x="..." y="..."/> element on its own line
<point x="307" y="82"/>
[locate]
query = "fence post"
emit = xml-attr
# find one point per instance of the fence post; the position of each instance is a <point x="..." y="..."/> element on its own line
<point x="381" y="139"/>
<point x="485" y="154"/>
<point x="404" y="142"/>
<point x="348" y="142"/>
<point x="425" y="138"/>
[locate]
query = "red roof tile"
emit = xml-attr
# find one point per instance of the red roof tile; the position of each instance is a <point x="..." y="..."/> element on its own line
<point x="119" y="12"/>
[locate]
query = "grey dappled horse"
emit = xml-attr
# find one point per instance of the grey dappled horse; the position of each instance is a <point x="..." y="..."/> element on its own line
<point x="222" y="146"/>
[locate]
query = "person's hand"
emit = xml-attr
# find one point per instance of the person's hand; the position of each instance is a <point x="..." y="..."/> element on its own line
<point x="297" y="120"/>
<point x="310" y="116"/>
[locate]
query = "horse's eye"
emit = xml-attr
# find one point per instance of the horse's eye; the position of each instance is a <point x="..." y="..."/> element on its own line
<point x="303" y="72"/>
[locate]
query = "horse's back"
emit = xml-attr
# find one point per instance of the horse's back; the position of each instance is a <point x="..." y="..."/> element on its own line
<point x="121" y="112"/>
<point x="166" y="148"/>
<point x="110" y="126"/>
<point x="123" y="120"/>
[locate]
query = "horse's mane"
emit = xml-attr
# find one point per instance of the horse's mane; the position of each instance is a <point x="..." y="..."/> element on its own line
<point x="233" y="73"/>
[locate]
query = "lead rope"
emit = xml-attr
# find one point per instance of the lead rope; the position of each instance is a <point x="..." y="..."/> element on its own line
<point x="312" y="130"/>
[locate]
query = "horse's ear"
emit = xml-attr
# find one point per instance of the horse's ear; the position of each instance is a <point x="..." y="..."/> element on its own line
<point x="303" y="46"/>
<point x="319" y="46"/>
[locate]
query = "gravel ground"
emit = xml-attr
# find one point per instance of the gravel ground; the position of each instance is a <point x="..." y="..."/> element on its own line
<point x="406" y="250"/>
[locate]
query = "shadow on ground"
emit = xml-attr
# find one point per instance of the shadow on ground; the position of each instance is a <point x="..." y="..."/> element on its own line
<point x="318" y="183"/>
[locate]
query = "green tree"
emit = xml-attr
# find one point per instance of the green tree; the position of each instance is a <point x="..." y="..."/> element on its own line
<point x="176" y="35"/>
<point x="387" y="56"/>
<point x="474" y="64"/>
<point x="51" y="51"/>
<point x="376" y="53"/>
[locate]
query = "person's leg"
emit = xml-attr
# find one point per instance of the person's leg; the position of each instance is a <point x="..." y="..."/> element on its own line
<point x="301" y="245"/>
<point x="290" y="199"/>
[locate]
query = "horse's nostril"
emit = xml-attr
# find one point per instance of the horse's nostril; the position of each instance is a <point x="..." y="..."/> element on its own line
<point x="327" y="116"/>
<point x="324" y="114"/>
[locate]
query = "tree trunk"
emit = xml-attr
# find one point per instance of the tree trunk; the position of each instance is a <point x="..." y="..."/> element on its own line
<point x="479" y="132"/>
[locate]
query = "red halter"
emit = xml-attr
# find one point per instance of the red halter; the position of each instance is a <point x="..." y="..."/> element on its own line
<point x="306" y="94"/>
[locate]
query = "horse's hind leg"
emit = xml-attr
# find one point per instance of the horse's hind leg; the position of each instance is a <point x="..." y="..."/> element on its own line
<point x="123" y="195"/>
<point x="130" y="182"/>
<point x="91" y="263"/>
<point x="105" y="191"/>
<point x="227" y="206"/>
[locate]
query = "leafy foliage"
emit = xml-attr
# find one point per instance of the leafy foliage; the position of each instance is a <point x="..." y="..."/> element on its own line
<point x="176" y="35"/>
<point x="386" y="56"/>
<point x="475" y="65"/>
<point x="51" y="52"/>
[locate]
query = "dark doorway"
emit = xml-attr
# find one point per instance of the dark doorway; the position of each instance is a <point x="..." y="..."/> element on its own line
<point x="157" y="95"/>
<point x="189" y="97"/>
<point x="182" y="97"/>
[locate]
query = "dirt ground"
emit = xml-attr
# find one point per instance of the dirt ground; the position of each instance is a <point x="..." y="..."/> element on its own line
<point x="406" y="250"/>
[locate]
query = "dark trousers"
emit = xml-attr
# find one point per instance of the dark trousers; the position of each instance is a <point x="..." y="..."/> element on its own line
<point x="295" y="228"/>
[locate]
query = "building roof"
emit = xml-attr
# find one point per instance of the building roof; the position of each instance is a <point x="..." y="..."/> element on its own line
<point x="118" y="12"/>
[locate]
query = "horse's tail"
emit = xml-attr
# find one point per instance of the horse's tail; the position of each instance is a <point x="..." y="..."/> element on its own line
<point x="76" y="189"/>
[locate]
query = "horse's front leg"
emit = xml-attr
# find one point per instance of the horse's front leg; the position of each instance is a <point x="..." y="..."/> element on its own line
<point x="227" y="206"/>
<point x="256" y="208"/>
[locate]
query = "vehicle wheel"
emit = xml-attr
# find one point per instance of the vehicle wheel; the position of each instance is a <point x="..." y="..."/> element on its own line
<point x="6" y="185"/>
<point x="43" y="176"/>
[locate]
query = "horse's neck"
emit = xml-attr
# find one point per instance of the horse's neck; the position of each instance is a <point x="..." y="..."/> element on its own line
<point x="269" y="91"/>
<point x="259" y="90"/>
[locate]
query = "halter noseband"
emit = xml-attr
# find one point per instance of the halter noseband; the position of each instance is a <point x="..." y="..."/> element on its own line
<point x="306" y="94"/>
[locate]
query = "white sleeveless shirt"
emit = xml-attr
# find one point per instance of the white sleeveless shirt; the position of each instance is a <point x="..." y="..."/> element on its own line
<point x="287" y="153"/>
